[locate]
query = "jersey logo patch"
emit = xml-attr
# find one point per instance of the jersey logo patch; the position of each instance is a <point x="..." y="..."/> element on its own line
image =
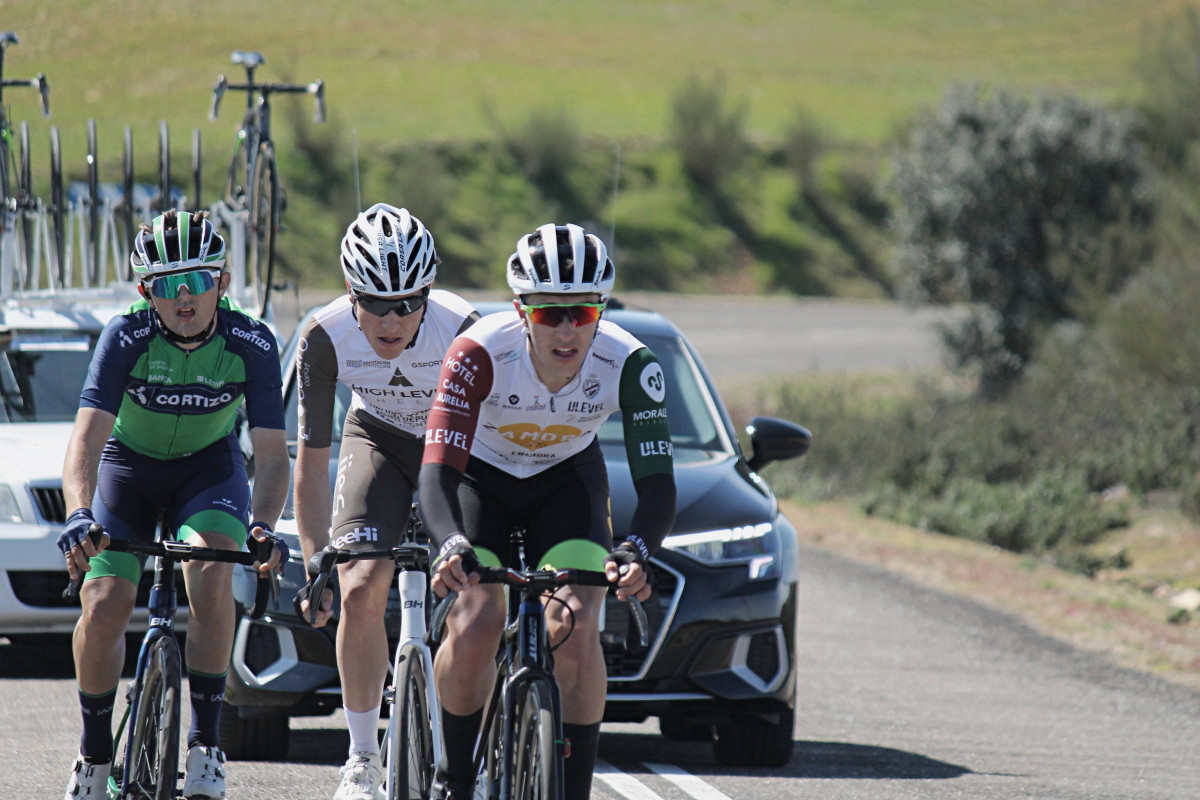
<point x="534" y="437"/>
<point x="399" y="380"/>
<point x="653" y="383"/>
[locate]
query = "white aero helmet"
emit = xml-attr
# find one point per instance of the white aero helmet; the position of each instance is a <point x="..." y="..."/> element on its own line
<point x="387" y="252"/>
<point x="561" y="259"/>
<point x="177" y="241"/>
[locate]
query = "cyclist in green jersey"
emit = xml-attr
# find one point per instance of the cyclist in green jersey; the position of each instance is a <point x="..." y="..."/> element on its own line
<point x="154" y="437"/>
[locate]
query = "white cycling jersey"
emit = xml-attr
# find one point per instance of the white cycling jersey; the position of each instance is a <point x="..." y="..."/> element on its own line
<point x="396" y="392"/>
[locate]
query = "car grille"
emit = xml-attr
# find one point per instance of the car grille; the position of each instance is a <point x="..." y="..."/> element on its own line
<point x="262" y="648"/>
<point x="620" y="663"/>
<point x="44" y="588"/>
<point x="50" y="504"/>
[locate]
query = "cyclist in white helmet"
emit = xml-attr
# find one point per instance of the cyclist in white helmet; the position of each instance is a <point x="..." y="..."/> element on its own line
<point x="384" y="339"/>
<point x="511" y="442"/>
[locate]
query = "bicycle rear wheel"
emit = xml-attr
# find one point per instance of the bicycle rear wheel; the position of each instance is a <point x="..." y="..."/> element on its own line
<point x="125" y="213"/>
<point x="537" y="758"/>
<point x="153" y="754"/>
<point x="58" y="210"/>
<point x="164" y="168"/>
<point x="264" y="222"/>
<point x="26" y="212"/>
<point x="408" y="752"/>
<point x="92" y="250"/>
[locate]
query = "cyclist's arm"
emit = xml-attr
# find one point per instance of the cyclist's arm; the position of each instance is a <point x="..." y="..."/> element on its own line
<point x="448" y="436"/>
<point x="92" y="428"/>
<point x="649" y="450"/>
<point x="316" y="384"/>
<point x="271" y="472"/>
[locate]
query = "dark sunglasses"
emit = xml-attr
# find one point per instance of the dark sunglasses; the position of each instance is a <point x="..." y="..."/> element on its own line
<point x="552" y="314"/>
<point x="382" y="306"/>
<point x="197" y="281"/>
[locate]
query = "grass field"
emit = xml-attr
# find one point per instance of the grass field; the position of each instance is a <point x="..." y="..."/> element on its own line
<point x="426" y="70"/>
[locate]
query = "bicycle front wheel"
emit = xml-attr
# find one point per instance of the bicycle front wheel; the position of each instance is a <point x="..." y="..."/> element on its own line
<point x="125" y="211"/>
<point x="537" y="758"/>
<point x="264" y="223"/>
<point x="58" y="210"/>
<point x="408" y="752"/>
<point x="164" y="168"/>
<point x="26" y="212"/>
<point x="153" y="757"/>
<point x="92" y="250"/>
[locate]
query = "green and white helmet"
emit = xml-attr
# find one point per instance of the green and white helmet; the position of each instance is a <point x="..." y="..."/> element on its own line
<point x="177" y="241"/>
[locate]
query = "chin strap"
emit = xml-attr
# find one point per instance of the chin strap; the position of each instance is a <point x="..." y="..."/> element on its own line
<point x="172" y="336"/>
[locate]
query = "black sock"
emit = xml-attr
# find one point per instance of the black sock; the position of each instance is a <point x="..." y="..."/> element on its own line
<point x="96" y="744"/>
<point x="208" y="693"/>
<point x="456" y="769"/>
<point x="583" y="741"/>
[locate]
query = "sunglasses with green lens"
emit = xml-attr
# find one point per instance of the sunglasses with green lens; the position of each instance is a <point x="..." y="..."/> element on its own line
<point x="197" y="281"/>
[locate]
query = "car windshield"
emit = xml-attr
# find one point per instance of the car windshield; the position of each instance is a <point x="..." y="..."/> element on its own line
<point x="41" y="376"/>
<point x="691" y="410"/>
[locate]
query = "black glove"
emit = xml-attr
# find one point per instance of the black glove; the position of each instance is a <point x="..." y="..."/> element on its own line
<point x="301" y="596"/>
<point x="458" y="545"/>
<point x="272" y="540"/>
<point x="76" y="529"/>
<point x="631" y="551"/>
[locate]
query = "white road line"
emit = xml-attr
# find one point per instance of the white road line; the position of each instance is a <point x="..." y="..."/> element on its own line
<point x="689" y="783"/>
<point x="622" y="784"/>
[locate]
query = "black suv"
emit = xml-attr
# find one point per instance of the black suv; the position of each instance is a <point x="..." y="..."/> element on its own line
<point x="721" y="663"/>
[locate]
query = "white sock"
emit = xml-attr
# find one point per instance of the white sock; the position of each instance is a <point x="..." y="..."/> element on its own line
<point x="364" y="730"/>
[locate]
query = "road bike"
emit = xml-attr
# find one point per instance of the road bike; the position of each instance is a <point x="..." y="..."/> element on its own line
<point x="148" y="768"/>
<point x="521" y="751"/>
<point x="412" y="744"/>
<point x="252" y="182"/>
<point x="18" y="205"/>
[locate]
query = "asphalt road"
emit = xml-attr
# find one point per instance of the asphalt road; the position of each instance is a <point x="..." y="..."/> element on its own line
<point x="903" y="692"/>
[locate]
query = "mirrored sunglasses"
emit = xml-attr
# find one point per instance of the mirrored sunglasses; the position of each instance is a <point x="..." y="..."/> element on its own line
<point x="552" y="314"/>
<point x="197" y="281"/>
<point x="382" y="306"/>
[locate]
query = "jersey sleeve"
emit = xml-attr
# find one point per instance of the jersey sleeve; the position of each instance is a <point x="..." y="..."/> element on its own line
<point x="111" y="364"/>
<point x="264" y="383"/>
<point x="316" y="386"/>
<point x="463" y="385"/>
<point x="643" y="398"/>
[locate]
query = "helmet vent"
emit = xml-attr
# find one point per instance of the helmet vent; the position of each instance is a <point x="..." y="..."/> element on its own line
<point x="386" y="224"/>
<point x="393" y="265"/>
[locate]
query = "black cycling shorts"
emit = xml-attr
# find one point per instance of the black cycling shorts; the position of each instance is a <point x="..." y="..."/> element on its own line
<point x="567" y="501"/>
<point x="373" y="491"/>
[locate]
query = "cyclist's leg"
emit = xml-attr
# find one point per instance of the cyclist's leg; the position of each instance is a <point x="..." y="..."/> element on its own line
<point x="465" y="665"/>
<point x="108" y="594"/>
<point x="575" y="501"/>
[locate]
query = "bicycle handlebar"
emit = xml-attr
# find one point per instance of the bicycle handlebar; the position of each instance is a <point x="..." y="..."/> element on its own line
<point x="316" y="88"/>
<point x="40" y="83"/>
<point x="409" y="556"/>
<point x="537" y="581"/>
<point x="181" y="551"/>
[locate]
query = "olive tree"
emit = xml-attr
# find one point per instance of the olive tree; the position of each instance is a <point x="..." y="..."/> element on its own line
<point x="1028" y="209"/>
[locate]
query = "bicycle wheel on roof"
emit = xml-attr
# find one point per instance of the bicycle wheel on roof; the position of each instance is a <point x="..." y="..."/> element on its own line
<point x="265" y="209"/>
<point x="58" y="210"/>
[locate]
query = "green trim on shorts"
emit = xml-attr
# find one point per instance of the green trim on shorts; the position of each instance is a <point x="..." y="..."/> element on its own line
<point x="574" y="554"/>
<point x="487" y="558"/>
<point x="215" y="521"/>
<point x="111" y="564"/>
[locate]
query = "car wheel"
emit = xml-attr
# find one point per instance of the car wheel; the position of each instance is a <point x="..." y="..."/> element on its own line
<point x="755" y="744"/>
<point x="680" y="730"/>
<point x="253" y="738"/>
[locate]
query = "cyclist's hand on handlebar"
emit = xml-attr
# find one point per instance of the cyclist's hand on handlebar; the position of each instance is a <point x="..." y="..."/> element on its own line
<point x="456" y="568"/>
<point x="626" y="567"/>
<point x="262" y="532"/>
<point x="324" y="612"/>
<point x="76" y="545"/>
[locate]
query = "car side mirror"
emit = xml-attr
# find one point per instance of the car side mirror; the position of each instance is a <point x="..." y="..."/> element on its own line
<point x="774" y="439"/>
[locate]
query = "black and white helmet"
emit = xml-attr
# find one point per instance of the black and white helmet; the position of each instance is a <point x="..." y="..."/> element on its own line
<point x="387" y="252"/>
<point x="561" y="259"/>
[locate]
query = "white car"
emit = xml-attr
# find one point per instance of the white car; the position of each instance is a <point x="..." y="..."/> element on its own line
<point x="46" y="344"/>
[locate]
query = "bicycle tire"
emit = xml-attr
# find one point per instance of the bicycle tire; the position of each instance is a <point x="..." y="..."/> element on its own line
<point x="537" y="758"/>
<point x="26" y="212"/>
<point x="164" y="167"/>
<point x="492" y="742"/>
<point x="58" y="208"/>
<point x="125" y="209"/>
<point x="154" y="737"/>
<point x="196" y="169"/>
<point x="264" y="222"/>
<point x="408" y="751"/>
<point x="92" y="250"/>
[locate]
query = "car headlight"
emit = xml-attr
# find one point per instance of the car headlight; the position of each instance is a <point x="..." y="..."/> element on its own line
<point x="9" y="510"/>
<point x="756" y="545"/>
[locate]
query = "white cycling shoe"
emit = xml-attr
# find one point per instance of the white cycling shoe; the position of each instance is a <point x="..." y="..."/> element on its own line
<point x="88" y="781"/>
<point x="362" y="778"/>
<point x="205" y="773"/>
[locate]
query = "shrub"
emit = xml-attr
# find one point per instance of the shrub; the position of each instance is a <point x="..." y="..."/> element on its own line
<point x="710" y="137"/>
